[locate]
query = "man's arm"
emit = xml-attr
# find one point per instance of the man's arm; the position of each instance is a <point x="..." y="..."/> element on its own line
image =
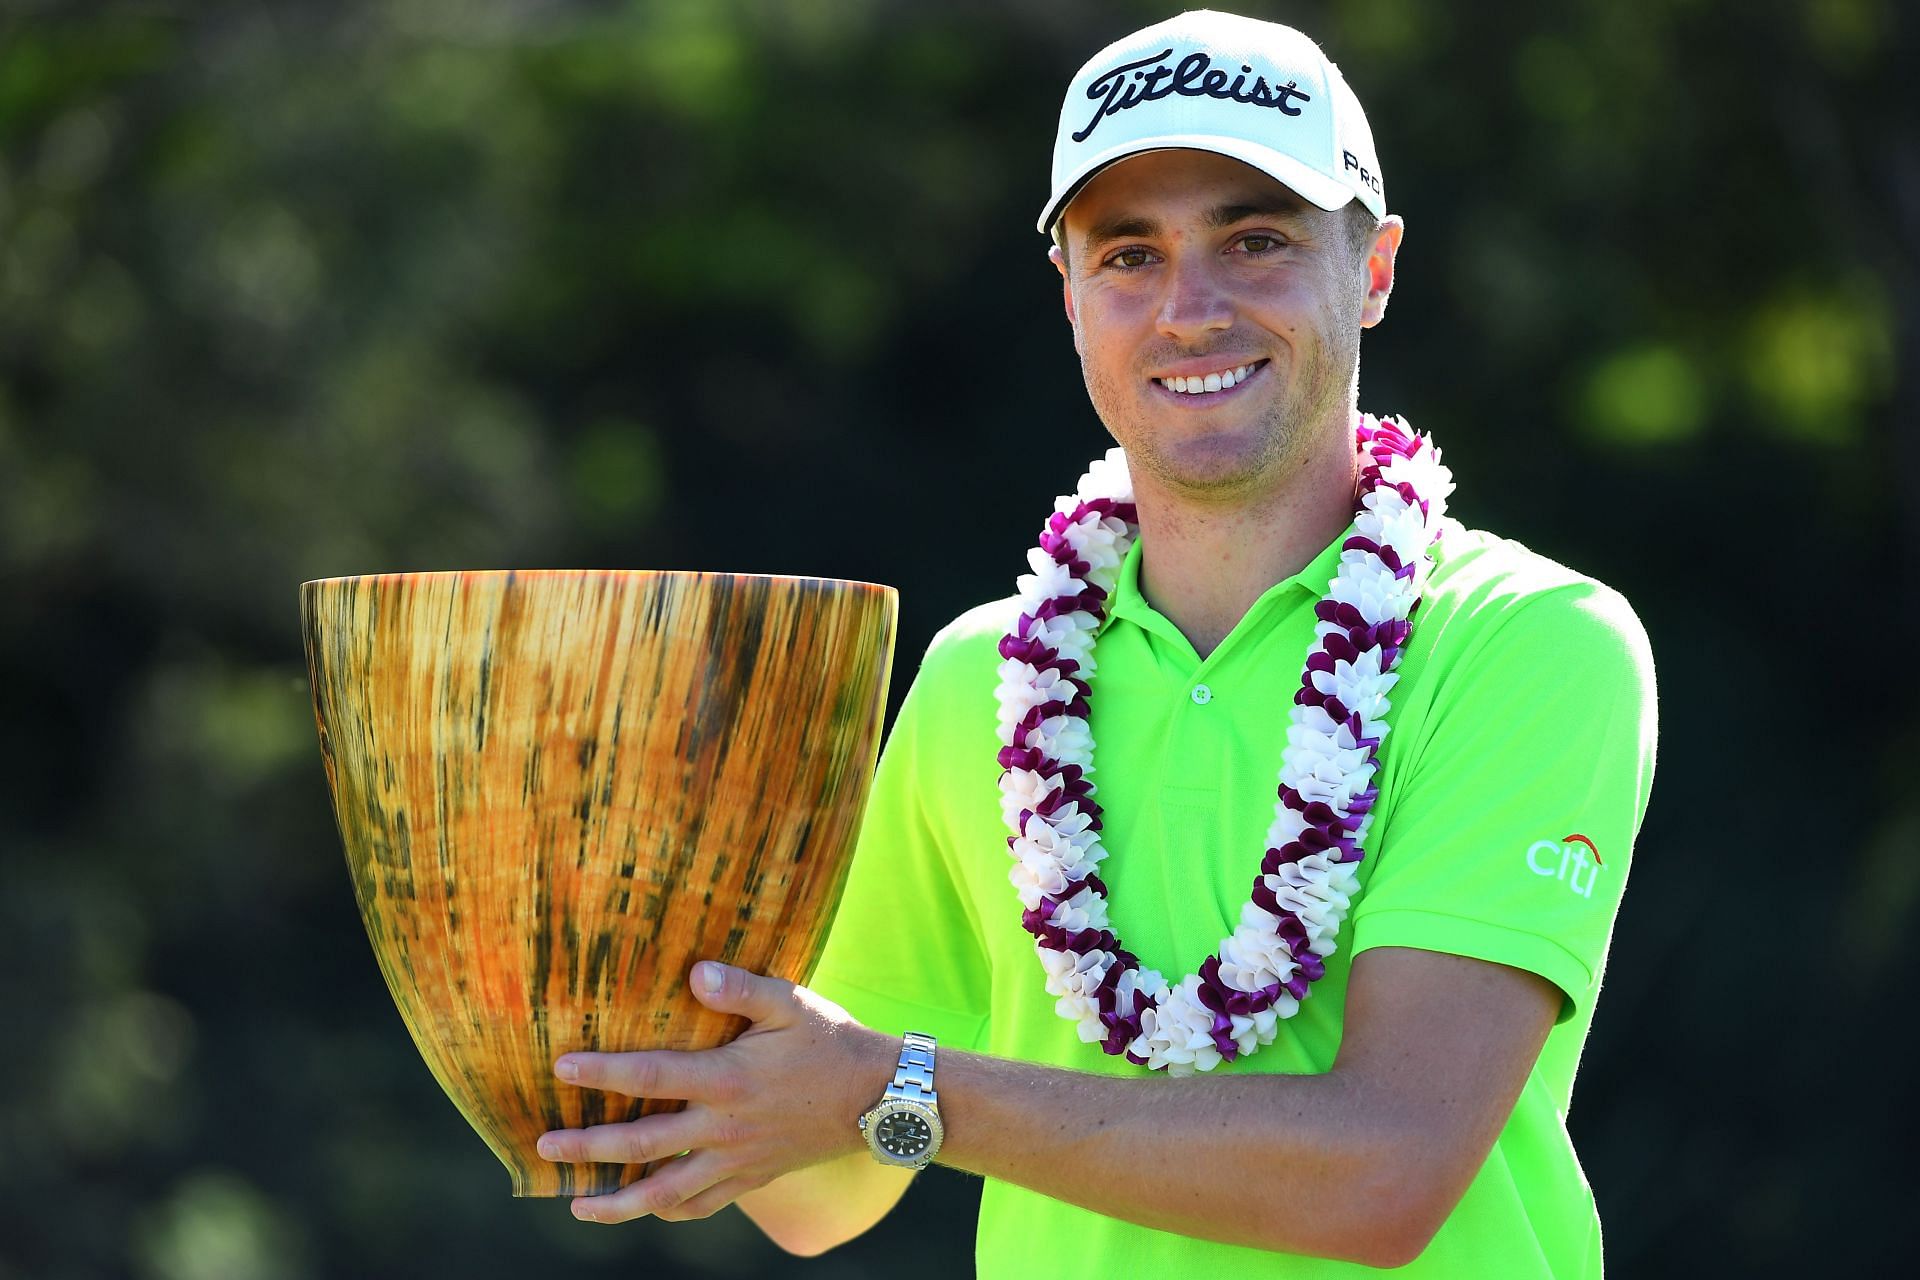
<point x="1362" y="1163"/>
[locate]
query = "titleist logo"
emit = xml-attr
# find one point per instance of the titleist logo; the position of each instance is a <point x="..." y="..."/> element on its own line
<point x="1194" y="77"/>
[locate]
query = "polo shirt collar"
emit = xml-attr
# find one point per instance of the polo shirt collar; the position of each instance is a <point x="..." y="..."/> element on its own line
<point x="1128" y="605"/>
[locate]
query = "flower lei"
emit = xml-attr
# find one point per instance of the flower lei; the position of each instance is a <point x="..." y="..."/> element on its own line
<point x="1262" y="971"/>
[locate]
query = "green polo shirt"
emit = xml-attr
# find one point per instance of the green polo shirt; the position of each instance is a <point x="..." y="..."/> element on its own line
<point x="1524" y="716"/>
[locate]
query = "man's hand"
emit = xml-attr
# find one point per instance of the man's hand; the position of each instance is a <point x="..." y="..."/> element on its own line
<point x="784" y="1095"/>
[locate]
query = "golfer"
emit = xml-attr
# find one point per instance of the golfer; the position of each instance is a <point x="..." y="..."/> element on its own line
<point x="1233" y="897"/>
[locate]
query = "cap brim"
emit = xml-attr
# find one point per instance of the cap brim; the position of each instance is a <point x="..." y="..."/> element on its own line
<point x="1297" y="175"/>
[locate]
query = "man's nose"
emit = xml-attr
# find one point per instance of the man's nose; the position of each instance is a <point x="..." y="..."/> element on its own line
<point x="1195" y="302"/>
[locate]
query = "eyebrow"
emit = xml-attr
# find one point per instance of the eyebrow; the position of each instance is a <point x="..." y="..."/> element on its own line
<point x="1127" y="225"/>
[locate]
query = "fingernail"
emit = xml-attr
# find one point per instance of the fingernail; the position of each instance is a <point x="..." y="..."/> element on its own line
<point x="548" y="1148"/>
<point x="567" y="1069"/>
<point x="710" y="977"/>
<point x="582" y="1211"/>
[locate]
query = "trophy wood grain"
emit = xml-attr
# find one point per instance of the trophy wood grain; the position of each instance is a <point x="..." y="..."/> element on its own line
<point x="559" y="789"/>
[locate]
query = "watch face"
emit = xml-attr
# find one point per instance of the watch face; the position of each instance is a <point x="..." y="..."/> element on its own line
<point x="903" y="1134"/>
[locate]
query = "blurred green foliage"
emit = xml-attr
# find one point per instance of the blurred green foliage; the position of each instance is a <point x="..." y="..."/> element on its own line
<point x="294" y="290"/>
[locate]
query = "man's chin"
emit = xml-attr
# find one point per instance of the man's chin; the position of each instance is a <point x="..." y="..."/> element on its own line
<point x="1214" y="467"/>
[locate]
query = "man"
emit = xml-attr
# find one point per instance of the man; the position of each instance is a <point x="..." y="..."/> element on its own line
<point x="1372" y="1054"/>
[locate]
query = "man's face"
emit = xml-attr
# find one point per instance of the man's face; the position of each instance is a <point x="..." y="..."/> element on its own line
<point x="1186" y="264"/>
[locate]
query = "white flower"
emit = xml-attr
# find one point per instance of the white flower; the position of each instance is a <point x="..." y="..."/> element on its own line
<point x="1072" y="641"/>
<point x="1062" y="628"/>
<point x="1067" y="823"/>
<point x="1357" y="682"/>
<point x="1287" y="823"/>
<point x="1084" y="910"/>
<point x="1264" y="1026"/>
<point x="1430" y="479"/>
<point x="1177" y="1034"/>
<point x="1049" y="580"/>
<point x="1024" y="687"/>
<point x="1100" y="541"/>
<point x="1084" y="1011"/>
<point x="1402" y="527"/>
<point x="1072" y="973"/>
<point x="1047" y="860"/>
<point x="1317" y="756"/>
<point x="1319" y="891"/>
<point x="1021" y="789"/>
<point x="1379" y="596"/>
<point x="1064" y="738"/>
<point x="1107" y="477"/>
<point x="1145" y="982"/>
<point x="1253" y="956"/>
<point x="1061" y="845"/>
<point x="1359" y="690"/>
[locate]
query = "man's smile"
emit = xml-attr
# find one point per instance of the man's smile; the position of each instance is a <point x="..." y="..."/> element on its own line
<point x="1208" y="384"/>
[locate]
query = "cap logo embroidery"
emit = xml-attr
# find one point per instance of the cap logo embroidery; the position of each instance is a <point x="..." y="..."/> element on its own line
<point x="1372" y="183"/>
<point x="1194" y="77"/>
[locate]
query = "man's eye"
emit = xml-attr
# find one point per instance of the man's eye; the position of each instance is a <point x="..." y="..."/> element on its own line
<point x="1259" y="243"/>
<point x="1130" y="258"/>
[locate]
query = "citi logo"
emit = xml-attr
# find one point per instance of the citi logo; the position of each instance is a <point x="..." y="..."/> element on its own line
<point x="1565" y="860"/>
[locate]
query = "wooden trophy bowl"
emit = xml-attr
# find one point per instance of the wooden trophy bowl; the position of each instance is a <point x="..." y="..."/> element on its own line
<point x="559" y="789"/>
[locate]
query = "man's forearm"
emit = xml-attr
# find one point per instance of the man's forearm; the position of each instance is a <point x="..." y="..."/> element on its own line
<point x="1305" y="1164"/>
<point x="1311" y="1164"/>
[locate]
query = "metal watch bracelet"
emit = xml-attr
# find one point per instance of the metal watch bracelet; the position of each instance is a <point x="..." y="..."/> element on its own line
<point x="913" y="1079"/>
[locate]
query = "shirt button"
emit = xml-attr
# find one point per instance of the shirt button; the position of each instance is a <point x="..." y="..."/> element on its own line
<point x="1202" y="695"/>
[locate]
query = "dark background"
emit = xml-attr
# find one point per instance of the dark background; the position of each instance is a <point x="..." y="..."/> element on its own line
<point x="297" y="290"/>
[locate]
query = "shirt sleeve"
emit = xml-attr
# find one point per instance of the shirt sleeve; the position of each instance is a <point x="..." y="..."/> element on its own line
<point x="1513" y="832"/>
<point x="904" y="953"/>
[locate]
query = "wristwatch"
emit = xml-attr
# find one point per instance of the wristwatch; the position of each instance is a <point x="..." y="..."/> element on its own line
<point x="903" y="1129"/>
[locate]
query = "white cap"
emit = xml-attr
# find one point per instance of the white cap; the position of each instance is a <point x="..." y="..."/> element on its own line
<point x="1256" y="91"/>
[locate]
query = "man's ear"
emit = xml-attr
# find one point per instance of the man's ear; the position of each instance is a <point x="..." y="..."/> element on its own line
<point x="1058" y="258"/>
<point x="1380" y="259"/>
